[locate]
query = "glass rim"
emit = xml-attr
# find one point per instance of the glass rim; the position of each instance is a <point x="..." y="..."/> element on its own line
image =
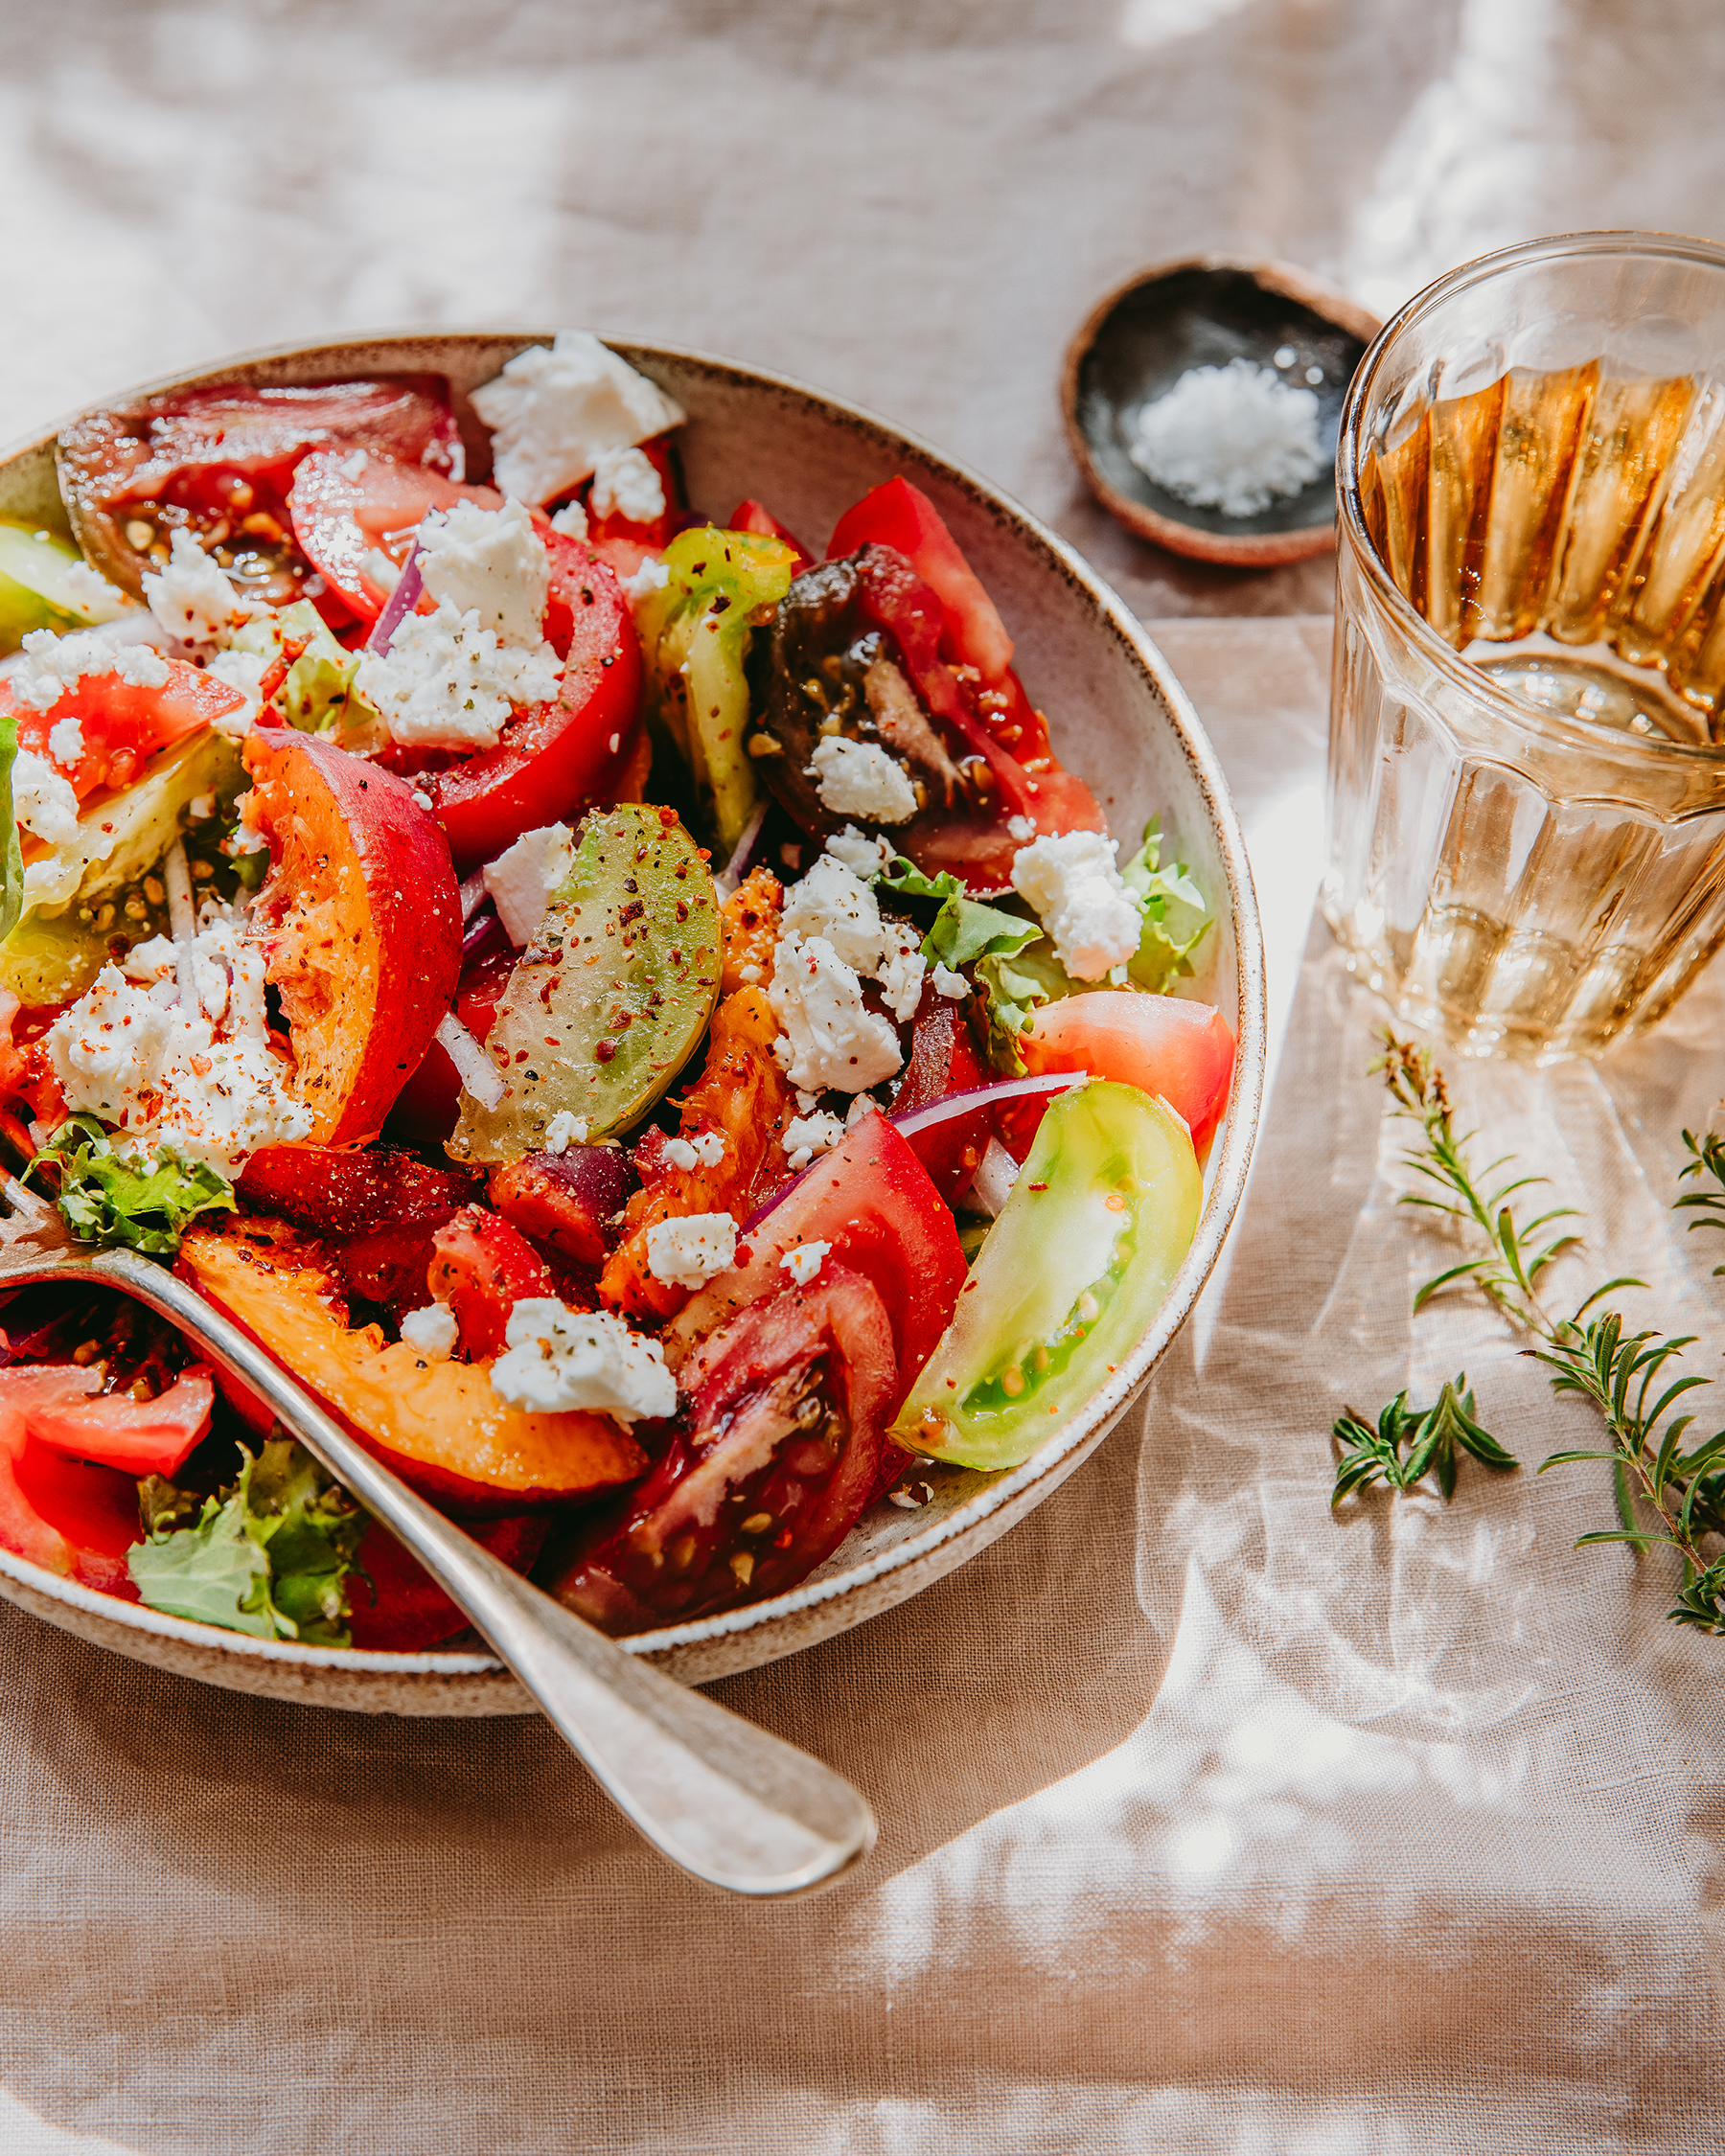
<point x="1506" y="703"/>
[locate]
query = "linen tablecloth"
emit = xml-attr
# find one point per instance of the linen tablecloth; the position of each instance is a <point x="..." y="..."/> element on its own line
<point x="1209" y="1824"/>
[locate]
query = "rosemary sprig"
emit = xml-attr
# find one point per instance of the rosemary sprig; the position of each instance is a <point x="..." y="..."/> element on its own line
<point x="1709" y="1152"/>
<point x="1411" y="1443"/>
<point x="1622" y="1374"/>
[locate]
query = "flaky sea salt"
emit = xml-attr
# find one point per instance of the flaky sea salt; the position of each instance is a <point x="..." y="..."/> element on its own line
<point x="1234" y="438"/>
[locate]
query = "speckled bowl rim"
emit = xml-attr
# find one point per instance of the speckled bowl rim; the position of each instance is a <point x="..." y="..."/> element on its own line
<point x="467" y="1682"/>
<point x="1228" y="550"/>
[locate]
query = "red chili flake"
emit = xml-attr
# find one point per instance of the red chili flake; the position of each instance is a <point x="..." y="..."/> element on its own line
<point x="782" y="1540"/>
<point x="668" y="817"/>
<point x="551" y="1041"/>
<point x="520" y="1055"/>
<point x="1039" y="1187"/>
<point x="605" y="1052"/>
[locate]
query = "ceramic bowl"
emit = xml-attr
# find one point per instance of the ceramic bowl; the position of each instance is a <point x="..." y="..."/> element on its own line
<point x="1203" y="311"/>
<point x="1118" y="716"/>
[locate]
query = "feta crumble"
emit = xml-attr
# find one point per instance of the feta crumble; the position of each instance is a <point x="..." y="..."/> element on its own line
<point x="379" y="569"/>
<point x="1022" y="829"/>
<point x="572" y="520"/>
<point x="65" y="742"/>
<point x="554" y="411"/>
<point x="92" y="593"/>
<point x="489" y="563"/>
<point x="431" y="1332"/>
<point x="805" y="1261"/>
<point x="627" y="484"/>
<point x="830" y="1039"/>
<point x="446" y="682"/>
<point x="947" y="982"/>
<point x="564" y="1131"/>
<point x="858" y="778"/>
<point x="42" y="798"/>
<point x="808" y="1135"/>
<point x="689" y="1250"/>
<point x="204" y="1083"/>
<point x="557" y="1359"/>
<point x="49" y="665"/>
<point x="650" y="577"/>
<point x="705" y="1152"/>
<point x="1093" y="920"/>
<point x="523" y="876"/>
<point x="830" y="902"/>
<point x="864" y="857"/>
<point x="243" y="671"/>
<point x="190" y="597"/>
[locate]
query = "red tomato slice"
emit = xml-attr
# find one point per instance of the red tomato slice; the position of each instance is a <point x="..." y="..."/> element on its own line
<point x="426" y="1107"/>
<point x="335" y="1191"/>
<point x="767" y="1472"/>
<point x="138" y="1436"/>
<point x="345" y="506"/>
<point x="68" y="1517"/>
<point x="871" y="1202"/>
<point x="398" y="1606"/>
<point x="559" y="757"/>
<point x="1159" y="1044"/>
<point x="901" y="516"/>
<point x="749" y="515"/>
<point x="122" y="725"/>
<point x="482" y="1267"/>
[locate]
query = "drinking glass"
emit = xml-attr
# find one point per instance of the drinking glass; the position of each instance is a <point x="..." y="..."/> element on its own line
<point x="1527" y="781"/>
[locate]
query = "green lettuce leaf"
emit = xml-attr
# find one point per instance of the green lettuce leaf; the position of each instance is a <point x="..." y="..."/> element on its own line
<point x="964" y="930"/>
<point x="270" y="1556"/>
<point x="144" y="1204"/>
<point x="318" y="695"/>
<point x="1176" y="916"/>
<point x="12" y="897"/>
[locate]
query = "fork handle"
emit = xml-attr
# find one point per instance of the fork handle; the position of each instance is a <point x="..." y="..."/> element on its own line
<point x="727" y="1803"/>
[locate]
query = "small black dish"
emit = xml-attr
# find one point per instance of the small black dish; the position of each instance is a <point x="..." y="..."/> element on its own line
<point x="1203" y="311"/>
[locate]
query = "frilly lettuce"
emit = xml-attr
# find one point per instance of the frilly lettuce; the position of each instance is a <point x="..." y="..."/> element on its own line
<point x="144" y="1204"/>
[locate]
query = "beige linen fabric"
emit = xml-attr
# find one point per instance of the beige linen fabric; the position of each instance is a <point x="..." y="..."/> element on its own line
<point x="1210" y="1825"/>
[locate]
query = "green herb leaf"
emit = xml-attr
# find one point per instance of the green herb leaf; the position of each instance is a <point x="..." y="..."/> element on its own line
<point x="11" y="894"/>
<point x="1709" y="1152"/>
<point x="269" y="1557"/>
<point x="1411" y="1443"/>
<point x="992" y="942"/>
<point x="140" y="1205"/>
<point x="1177" y="917"/>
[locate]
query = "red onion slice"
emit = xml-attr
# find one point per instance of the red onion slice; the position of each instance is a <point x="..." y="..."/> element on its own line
<point x="966" y="1103"/>
<point x="738" y="866"/>
<point x="399" y="603"/>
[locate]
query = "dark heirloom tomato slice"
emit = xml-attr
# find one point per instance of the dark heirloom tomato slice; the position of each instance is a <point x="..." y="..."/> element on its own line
<point x="942" y="1062"/>
<point x="766" y="1473"/>
<point x="221" y="461"/>
<point x="345" y="508"/>
<point x="562" y="756"/>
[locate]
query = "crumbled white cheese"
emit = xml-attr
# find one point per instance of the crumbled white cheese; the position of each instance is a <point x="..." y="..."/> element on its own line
<point x="431" y="1332"/>
<point x="861" y="1106"/>
<point x="572" y="520"/>
<point x="901" y="980"/>
<point x="1234" y="438"/>
<point x="947" y="982"/>
<point x="830" y="902"/>
<point x="243" y="671"/>
<point x="49" y="665"/>
<point x="705" y="1152"/>
<point x="490" y="562"/>
<point x="864" y="857"/>
<point x="523" y="876"/>
<point x="830" y="1037"/>
<point x="446" y="681"/>
<point x="200" y="808"/>
<point x="688" y="1251"/>
<point x="554" y="411"/>
<point x="808" y="1134"/>
<point x="204" y="1083"/>
<point x="65" y="742"/>
<point x="354" y="467"/>
<point x="858" y="778"/>
<point x="564" y="1131"/>
<point x="1093" y="920"/>
<point x="559" y="1359"/>
<point x="192" y="598"/>
<point x="650" y="577"/>
<point x="805" y="1261"/>
<point x="627" y="484"/>
<point x="91" y="592"/>
<point x="1021" y="828"/>
<point x="377" y="568"/>
<point x="42" y="798"/>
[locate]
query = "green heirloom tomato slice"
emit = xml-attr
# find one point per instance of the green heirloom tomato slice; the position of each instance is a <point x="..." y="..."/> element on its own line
<point x="612" y="997"/>
<point x="1066" y="1282"/>
<point x="35" y="588"/>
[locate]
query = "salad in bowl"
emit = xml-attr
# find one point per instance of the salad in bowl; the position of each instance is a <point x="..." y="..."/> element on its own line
<point x="619" y="994"/>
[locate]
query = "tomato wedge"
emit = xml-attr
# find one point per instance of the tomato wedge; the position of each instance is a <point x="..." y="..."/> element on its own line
<point x="871" y="1202"/>
<point x="346" y="506"/>
<point x="394" y="1603"/>
<point x="564" y="755"/>
<point x="121" y="724"/>
<point x="943" y="1061"/>
<point x="1164" y="1045"/>
<point x="68" y="1517"/>
<point x="902" y="517"/>
<point x="138" y="1436"/>
<point x="766" y="1473"/>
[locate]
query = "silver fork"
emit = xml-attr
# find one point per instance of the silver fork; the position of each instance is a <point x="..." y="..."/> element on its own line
<point x="723" y="1800"/>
